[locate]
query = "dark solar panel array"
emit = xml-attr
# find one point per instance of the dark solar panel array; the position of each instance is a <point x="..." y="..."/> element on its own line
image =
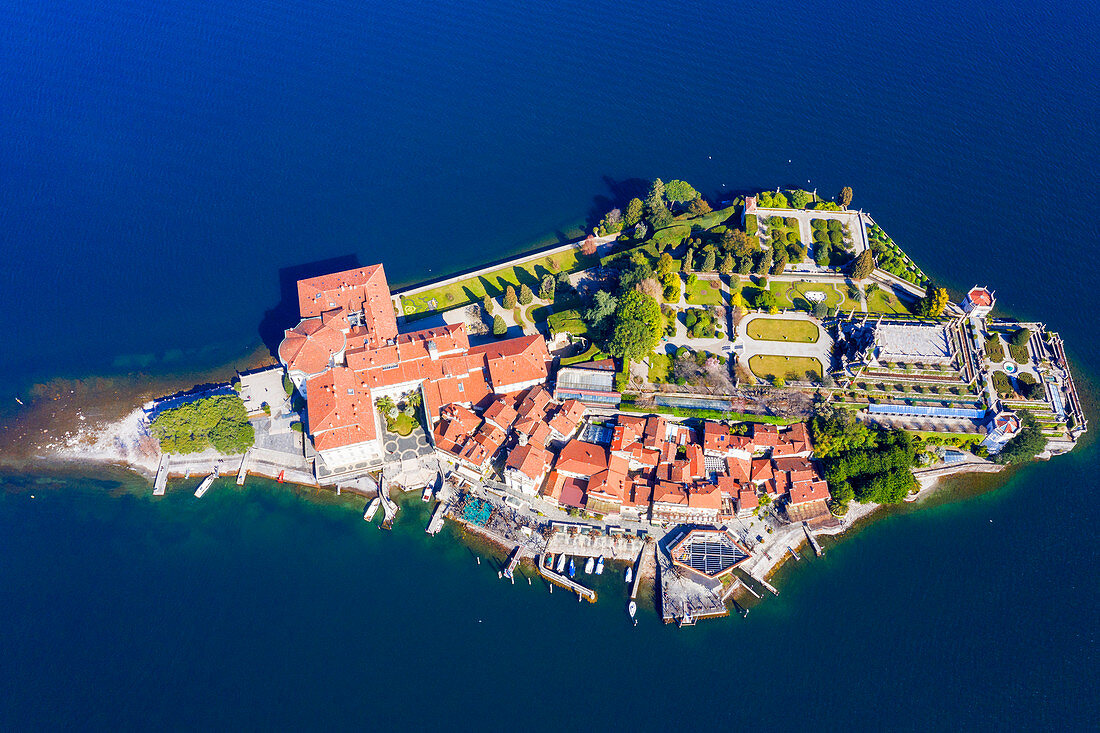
<point x="710" y="557"/>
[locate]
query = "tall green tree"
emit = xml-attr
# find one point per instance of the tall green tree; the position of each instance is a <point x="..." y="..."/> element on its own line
<point x="525" y="295"/>
<point x="655" y="205"/>
<point x="800" y="199"/>
<point x="680" y="192"/>
<point x="698" y="207"/>
<point x="863" y="265"/>
<point x="510" y="298"/>
<point x="637" y="327"/>
<point x="709" y="258"/>
<point x="499" y="327"/>
<point x="546" y="288"/>
<point x="634" y="212"/>
<point x="934" y="301"/>
<point x="845" y="197"/>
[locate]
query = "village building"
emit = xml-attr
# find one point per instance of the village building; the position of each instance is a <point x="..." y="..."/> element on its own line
<point x="526" y="468"/>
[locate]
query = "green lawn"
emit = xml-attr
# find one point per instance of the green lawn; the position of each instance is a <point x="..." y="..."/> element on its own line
<point x="705" y="291"/>
<point x="781" y="329"/>
<point x="473" y="289"/>
<point x="882" y="301"/>
<point x="788" y="367"/>
<point x="402" y="424"/>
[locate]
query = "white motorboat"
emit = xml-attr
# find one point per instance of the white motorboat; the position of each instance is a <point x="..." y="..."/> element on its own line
<point x="629" y="574"/>
<point x="561" y="563"/>
<point x="372" y="509"/>
<point x="590" y="566"/>
<point x="632" y="607"/>
<point x="599" y="565"/>
<point x="427" y="495"/>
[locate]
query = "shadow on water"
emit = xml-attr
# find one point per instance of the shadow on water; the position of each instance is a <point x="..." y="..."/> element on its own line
<point x="285" y="314"/>
<point x="621" y="193"/>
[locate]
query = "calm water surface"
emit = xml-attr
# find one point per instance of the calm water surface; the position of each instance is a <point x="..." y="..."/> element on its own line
<point x="161" y="165"/>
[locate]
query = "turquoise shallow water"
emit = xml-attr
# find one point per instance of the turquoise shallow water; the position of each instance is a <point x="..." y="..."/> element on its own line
<point x="160" y="167"/>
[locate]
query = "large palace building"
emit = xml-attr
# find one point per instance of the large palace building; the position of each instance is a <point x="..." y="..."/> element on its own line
<point x="346" y="353"/>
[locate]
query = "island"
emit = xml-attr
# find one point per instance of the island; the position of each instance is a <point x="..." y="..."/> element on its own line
<point x="691" y="394"/>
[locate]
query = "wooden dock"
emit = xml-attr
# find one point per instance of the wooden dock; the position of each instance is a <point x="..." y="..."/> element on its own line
<point x="565" y="582"/>
<point x="161" y="482"/>
<point x="513" y="561"/>
<point x="813" y="541"/>
<point x="389" y="506"/>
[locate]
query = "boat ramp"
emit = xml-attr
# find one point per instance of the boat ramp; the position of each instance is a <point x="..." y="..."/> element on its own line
<point x="161" y="482"/>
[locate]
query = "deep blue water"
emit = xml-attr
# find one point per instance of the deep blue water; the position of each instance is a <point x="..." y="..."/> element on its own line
<point x="162" y="163"/>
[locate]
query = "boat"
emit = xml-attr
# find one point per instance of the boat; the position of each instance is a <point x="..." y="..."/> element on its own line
<point x="629" y="574"/>
<point x="549" y="563"/>
<point x="282" y="475"/>
<point x="599" y="565"/>
<point x="205" y="484"/>
<point x="561" y="563"/>
<point x="572" y="568"/>
<point x="590" y="566"/>
<point x="632" y="607"/>
<point x="427" y="495"/>
<point x="372" y="509"/>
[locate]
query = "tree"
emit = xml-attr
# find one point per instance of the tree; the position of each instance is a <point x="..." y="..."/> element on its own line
<point x="510" y="298"/>
<point x="665" y="265"/>
<point x="640" y="230"/>
<point x="934" y="301"/>
<point x="709" y="259"/>
<point x="525" y="295"/>
<point x="764" y="264"/>
<point x="651" y="287"/>
<point x="219" y="422"/>
<point x="638" y="325"/>
<point x="1020" y="337"/>
<point x="744" y="267"/>
<point x="779" y="263"/>
<point x="845" y="196"/>
<point x="603" y="305"/>
<point x="820" y="310"/>
<point x="766" y="301"/>
<point x="863" y="266"/>
<point x="800" y="198"/>
<point x="487" y="304"/>
<point x="589" y="247"/>
<point x="546" y="288"/>
<point x="698" y="207"/>
<point x="634" y="212"/>
<point x="679" y="192"/>
<point x="612" y="222"/>
<point x="726" y="268"/>
<point x="655" y="204"/>
<point x="689" y="259"/>
<point x="499" y="327"/>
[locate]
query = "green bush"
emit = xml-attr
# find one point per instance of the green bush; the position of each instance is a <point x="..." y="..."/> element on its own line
<point x="218" y="422"/>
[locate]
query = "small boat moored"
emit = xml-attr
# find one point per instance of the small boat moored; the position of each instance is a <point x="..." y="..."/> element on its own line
<point x="599" y="565"/>
<point x="427" y="495"/>
<point x="572" y="568"/>
<point x="372" y="509"/>
<point x="629" y="574"/>
<point x="590" y="566"/>
<point x="632" y="608"/>
<point x="561" y="563"/>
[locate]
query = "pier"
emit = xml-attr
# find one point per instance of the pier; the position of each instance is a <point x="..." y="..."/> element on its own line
<point x="242" y="472"/>
<point x="813" y="541"/>
<point x="436" y="522"/>
<point x="793" y="553"/>
<point x="639" y="567"/>
<point x="389" y="506"/>
<point x="513" y="561"/>
<point x="162" y="475"/>
<point x="586" y="593"/>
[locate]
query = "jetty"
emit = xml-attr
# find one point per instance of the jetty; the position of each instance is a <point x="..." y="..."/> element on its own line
<point x="389" y="506"/>
<point x="813" y="541"/>
<point x="794" y="554"/>
<point x="206" y="483"/>
<point x="513" y="561"/>
<point x="638" y="568"/>
<point x="161" y="482"/>
<point x="436" y="522"/>
<point x="242" y="472"/>
<point x="557" y="579"/>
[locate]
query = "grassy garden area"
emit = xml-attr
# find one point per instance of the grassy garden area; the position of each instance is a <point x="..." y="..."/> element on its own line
<point x="883" y="301"/>
<point x="494" y="283"/>
<point x="705" y="291"/>
<point x="781" y="329"/>
<point x="771" y="367"/>
<point x="891" y="258"/>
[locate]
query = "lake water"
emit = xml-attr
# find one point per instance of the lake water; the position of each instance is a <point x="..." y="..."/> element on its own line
<point x="164" y="167"/>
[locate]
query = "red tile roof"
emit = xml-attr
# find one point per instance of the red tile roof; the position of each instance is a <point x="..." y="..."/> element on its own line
<point x="530" y="460"/>
<point x="515" y="361"/>
<point x="581" y="458"/>
<point x="809" y="491"/>
<point x="309" y="346"/>
<point x="362" y="289"/>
